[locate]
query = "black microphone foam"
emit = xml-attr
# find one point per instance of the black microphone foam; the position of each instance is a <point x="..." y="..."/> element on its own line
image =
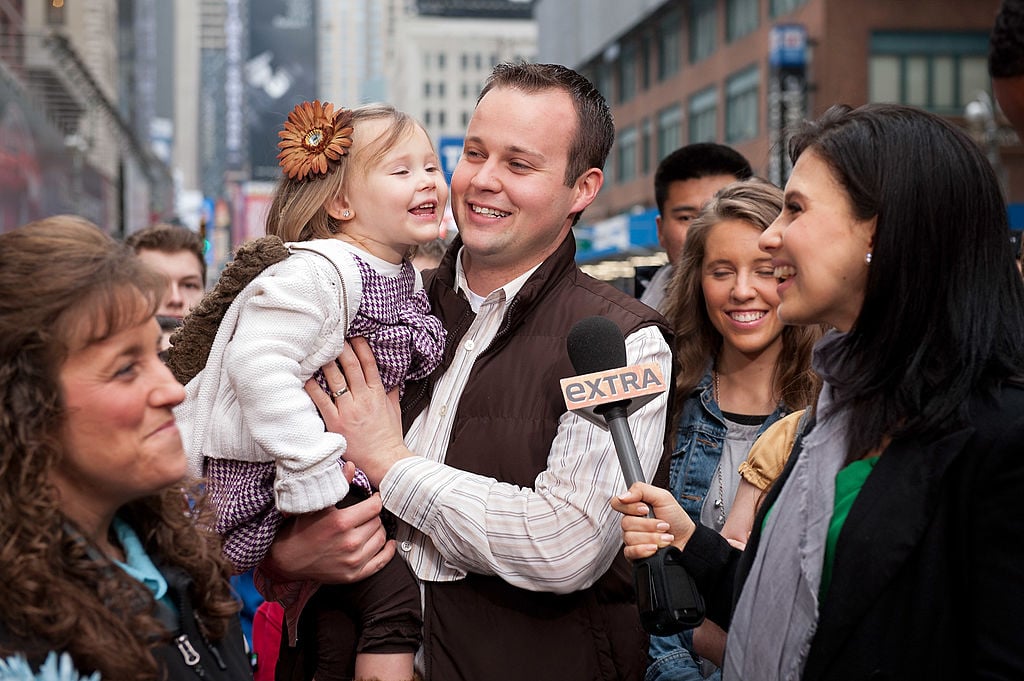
<point x="596" y="344"/>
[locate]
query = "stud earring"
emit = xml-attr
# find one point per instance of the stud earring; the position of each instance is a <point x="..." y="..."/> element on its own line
<point x="346" y="214"/>
<point x="867" y="258"/>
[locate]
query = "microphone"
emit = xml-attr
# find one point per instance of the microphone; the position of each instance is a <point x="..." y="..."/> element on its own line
<point x="667" y="597"/>
<point x="607" y="391"/>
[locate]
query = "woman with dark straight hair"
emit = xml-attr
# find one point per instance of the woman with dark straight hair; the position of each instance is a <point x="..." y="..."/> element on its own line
<point x="894" y="532"/>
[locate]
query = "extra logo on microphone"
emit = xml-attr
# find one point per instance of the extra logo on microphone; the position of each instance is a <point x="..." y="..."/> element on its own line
<point x="614" y="385"/>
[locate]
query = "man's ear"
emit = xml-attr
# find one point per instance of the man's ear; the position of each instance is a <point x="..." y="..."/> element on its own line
<point x="587" y="186"/>
<point x="661" y="236"/>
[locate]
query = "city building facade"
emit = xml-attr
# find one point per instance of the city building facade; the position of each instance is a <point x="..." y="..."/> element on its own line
<point x="72" y="108"/>
<point x="737" y="71"/>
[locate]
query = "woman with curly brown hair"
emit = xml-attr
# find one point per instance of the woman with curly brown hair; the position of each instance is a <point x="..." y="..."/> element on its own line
<point x="100" y="555"/>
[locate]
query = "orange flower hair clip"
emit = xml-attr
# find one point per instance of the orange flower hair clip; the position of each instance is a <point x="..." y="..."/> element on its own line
<point x="314" y="139"/>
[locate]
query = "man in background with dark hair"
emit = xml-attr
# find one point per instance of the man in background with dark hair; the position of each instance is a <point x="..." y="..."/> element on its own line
<point x="685" y="180"/>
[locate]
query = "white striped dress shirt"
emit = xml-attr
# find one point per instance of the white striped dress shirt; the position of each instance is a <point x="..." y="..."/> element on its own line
<point x="561" y="535"/>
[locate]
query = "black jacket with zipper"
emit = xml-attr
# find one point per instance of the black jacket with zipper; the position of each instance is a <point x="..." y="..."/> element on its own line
<point x="189" y="655"/>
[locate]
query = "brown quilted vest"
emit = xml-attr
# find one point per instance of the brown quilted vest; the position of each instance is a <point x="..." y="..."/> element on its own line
<point x="482" y="628"/>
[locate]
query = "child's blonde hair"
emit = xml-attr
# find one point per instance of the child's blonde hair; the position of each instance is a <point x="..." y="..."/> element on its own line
<point x="299" y="209"/>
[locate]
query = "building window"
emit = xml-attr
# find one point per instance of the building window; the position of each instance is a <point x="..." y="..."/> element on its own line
<point x="703" y="108"/>
<point x="626" y="168"/>
<point x="441" y="118"/>
<point x="644" y="48"/>
<point x="426" y="118"/>
<point x="603" y="80"/>
<point x="779" y="7"/>
<point x="645" y="146"/>
<point x="741" y="98"/>
<point x="465" y="120"/>
<point x="464" y="61"/>
<point x="440" y="60"/>
<point x="426" y="89"/>
<point x="703" y="29"/>
<point x="627" y="72"/>
<point x="440" y="89"/>
<point x="669" y="47"/>
<point x="940" y="72"/>
<point x="670" y="130"/>
<point x="741" y="18"/>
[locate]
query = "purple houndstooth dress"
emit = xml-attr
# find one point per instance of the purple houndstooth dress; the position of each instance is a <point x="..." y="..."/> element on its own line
<point x="408" y="343"/>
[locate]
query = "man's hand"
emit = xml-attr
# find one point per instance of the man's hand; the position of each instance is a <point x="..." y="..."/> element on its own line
<point x="369" y="418"/>
<point x="332" y="546"/>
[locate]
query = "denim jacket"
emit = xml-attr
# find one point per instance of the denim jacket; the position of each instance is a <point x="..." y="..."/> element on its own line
<point x="700" y="437"/>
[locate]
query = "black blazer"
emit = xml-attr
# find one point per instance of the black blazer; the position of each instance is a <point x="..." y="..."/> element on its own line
<point x="928" y="579"/>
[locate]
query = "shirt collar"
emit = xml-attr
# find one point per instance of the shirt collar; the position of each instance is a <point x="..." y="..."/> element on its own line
<point x="508" y="291"/>
<point x="137" y="562"/>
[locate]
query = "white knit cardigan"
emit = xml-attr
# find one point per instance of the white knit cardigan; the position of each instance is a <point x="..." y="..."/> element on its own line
<point x="248" y="403"/>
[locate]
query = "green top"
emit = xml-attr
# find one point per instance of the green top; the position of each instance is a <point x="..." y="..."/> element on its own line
<point x="849" y="482"/>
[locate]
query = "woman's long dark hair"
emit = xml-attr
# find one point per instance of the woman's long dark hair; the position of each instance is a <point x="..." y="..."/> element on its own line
<point x="943" y="313"/>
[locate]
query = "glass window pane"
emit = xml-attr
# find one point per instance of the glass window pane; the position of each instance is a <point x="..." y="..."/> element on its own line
<point x="702" y="29"/>
<point x="668" y="45"/>
<point x="943" y="83"/>
<point x="703" y="126"/>
<point x="784" y="6"/>
<point x="973" y="78"/>
<point x="645" y="147"/>
<point x="741" y="18"/>
<point x="741" y="106"/>
<point x="884" y="79"/>
<point x="627" y="73"/>
<point x="916" y="81"/>
<point x="670" y="134"/>
<point x="627" y="155"/>
<point x="703" y="109"/>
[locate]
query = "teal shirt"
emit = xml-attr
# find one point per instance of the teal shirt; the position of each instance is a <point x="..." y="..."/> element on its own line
<point x="138" y="563"/>
<point x="849" y="482"/>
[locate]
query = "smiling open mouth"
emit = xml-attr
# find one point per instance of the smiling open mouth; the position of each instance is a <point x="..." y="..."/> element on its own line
<point x="784" y="272"/>
<point x="489" y="212"/>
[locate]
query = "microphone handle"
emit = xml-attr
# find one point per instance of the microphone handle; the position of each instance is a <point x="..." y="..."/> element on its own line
<point x="625" y="447"/>
<point x="667" y="596"/>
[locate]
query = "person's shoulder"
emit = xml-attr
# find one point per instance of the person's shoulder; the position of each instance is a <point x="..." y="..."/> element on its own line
<point x="315" y="250"/>
<point x="1002" y="403"/>
<point x="317" y="260"/>
<point x="604" y="294"/>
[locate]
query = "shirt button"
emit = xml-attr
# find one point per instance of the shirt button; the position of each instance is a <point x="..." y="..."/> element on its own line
<point x="407" y="546"/>
<point x="470" y="344"/>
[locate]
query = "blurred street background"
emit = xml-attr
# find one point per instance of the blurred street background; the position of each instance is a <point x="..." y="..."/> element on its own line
<point x="132" y="112"/>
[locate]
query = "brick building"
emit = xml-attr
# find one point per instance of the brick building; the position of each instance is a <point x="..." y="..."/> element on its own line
<point x="681" y="71"/>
